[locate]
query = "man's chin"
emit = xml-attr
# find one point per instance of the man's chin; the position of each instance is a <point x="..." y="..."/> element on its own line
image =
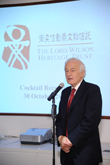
<point x="69" y="82"/>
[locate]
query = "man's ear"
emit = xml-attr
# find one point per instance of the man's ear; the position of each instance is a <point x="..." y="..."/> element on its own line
<point x="82" y="73"/>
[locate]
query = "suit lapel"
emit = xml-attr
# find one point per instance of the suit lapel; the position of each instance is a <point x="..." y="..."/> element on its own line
<point x="77" y="96"/>
<point x="66" y="100"/>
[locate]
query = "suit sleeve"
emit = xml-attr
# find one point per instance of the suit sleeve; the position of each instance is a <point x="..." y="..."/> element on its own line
<point x="91" y="119"/>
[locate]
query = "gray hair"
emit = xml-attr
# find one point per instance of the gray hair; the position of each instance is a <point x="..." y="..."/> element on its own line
<point x="81" y="65"/>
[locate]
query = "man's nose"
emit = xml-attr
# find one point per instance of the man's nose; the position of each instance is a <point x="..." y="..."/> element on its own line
<point x="68" y="73"/>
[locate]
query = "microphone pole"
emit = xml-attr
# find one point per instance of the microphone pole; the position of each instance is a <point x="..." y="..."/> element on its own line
<point x="53" y="114"/>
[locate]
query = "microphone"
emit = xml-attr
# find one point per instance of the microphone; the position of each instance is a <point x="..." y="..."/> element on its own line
<point x="55" y="92"/>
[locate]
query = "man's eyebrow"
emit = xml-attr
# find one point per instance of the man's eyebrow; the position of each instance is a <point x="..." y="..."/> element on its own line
<point x="71" y="68"/>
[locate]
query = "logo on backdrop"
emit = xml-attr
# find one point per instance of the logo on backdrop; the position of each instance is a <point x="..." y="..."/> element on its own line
<point x="17" y="46"/>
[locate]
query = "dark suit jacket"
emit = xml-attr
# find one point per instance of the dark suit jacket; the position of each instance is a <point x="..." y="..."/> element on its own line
<point x="83" y="119"/>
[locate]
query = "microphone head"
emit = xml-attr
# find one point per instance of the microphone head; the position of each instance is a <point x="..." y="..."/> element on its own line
<point x="61" y="85"/>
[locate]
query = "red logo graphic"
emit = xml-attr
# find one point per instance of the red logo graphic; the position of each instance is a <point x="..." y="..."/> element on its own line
<point x="17" y="46"/>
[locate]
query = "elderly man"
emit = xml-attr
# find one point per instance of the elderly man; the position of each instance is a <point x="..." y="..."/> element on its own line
<point x="78" y="118"/>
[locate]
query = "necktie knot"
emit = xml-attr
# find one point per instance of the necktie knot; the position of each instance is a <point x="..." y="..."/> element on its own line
<point x="73" y="90"/>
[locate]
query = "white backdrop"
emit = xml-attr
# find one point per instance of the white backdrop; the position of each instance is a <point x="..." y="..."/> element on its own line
<point x="53" y="33"/>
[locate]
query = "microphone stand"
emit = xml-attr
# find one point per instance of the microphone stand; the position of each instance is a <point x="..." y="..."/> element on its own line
<point x="53" y="114"/>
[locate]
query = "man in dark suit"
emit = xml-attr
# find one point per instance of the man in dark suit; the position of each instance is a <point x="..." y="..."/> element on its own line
<point x="77" y="130"/>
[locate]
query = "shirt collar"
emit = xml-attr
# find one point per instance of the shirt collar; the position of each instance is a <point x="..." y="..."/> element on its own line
<point x="77" y="86"/>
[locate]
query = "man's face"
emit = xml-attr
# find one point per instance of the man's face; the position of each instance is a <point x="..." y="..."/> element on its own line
<point x="72" y="73"/>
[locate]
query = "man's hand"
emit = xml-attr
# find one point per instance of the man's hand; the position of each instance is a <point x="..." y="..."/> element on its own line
<point x="65" y="143"/>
